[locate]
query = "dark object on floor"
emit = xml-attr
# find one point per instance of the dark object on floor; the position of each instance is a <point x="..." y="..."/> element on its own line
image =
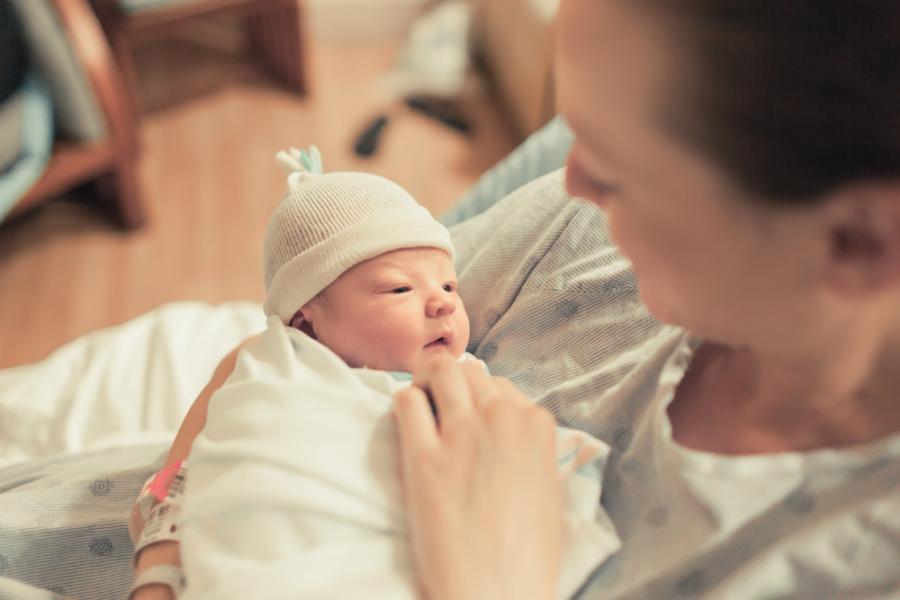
<point x="445" y="111"/>
<point x="367" y="142"/>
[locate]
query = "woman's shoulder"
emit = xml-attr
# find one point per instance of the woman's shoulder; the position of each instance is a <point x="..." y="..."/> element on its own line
<point x="553" y="304"/>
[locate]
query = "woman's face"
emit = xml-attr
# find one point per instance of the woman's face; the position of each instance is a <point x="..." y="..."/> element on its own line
<point x="706" y="258"/>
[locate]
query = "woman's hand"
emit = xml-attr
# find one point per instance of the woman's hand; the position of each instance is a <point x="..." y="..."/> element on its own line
<point x="153" y="592"/>
<point x="483" y="498"/>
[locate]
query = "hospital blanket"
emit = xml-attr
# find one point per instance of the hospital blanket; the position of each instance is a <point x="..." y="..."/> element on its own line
<point x="294" y="484"/>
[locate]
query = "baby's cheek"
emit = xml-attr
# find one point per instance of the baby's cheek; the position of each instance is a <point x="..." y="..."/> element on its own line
<point x="402" y="348"/>
<point x="464" y="333"/>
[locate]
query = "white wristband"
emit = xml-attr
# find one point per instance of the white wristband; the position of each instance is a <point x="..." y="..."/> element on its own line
<point x="160" y="523"/>
<point x="169" y="575"/>
<point x="161" y="526"/>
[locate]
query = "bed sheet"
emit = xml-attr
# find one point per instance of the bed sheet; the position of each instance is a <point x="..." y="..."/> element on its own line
<point x="120" y="386"/>
<point x="81" y="430"/>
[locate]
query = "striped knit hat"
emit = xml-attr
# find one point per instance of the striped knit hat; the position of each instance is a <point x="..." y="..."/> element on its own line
<point x="327" y="223"/>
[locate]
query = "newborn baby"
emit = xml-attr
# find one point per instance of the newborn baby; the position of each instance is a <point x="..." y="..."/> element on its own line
<point x="354" y="262"/>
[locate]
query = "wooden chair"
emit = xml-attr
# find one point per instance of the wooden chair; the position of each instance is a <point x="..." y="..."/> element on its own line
<point x="110" y="161"/>
<point x="273" y="28"/>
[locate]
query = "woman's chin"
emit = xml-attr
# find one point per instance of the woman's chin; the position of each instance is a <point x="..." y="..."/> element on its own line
<point x="658" y="307"/>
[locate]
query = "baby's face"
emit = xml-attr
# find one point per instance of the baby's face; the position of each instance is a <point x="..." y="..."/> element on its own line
<point x="391" y="311"/>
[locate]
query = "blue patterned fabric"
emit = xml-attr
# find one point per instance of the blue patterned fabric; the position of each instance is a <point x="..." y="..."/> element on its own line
<point x="63" y="531"/>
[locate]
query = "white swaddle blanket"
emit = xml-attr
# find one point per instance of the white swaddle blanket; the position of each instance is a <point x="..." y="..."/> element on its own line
<point x="295" y="490"/>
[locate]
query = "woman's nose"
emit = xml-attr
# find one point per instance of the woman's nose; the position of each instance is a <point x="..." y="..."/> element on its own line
<point x="442" y="305"/>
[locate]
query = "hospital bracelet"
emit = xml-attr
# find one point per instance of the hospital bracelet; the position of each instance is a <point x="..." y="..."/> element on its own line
<point x="160" y="521"/>
<point x="169" y="575"/>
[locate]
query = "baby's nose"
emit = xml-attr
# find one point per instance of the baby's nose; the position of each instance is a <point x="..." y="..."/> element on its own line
<point x="441" y="305"/>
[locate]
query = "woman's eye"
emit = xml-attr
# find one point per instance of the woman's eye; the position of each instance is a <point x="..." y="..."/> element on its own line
<point x="600" y="187"/>
<point x="401" y="290"/>
<point x="586" y="186"/>
<point x="605" y="189"/>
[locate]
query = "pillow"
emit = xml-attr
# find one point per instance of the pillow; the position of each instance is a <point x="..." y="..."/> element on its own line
<point x="35" y="144"/>
<point x="134" y="6"/>
<point x="544" y="151"/>
<point x="11" y="130"/>
<point x="77" y="110"/>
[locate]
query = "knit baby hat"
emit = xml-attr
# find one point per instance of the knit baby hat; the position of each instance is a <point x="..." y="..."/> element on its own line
<point x="328" y="223"/>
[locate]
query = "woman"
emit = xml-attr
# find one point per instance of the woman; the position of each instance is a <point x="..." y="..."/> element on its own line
<point x="747" y="155"/>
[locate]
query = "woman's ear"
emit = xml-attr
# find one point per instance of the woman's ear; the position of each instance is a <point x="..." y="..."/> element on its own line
<point x="864" y="239"/>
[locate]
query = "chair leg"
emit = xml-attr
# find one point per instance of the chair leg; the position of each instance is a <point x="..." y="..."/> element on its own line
<point x="276" y="38"/>
<point x="127" y="199"/>
<point x="125" y="57"/>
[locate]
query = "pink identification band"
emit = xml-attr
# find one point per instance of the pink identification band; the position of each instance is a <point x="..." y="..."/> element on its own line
<point x="159" y="489"/>
<point x="160" y="521"/>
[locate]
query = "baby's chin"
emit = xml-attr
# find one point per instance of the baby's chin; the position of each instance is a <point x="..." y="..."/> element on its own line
<point x="409" y="361"/>
<point x="409" y="365"/>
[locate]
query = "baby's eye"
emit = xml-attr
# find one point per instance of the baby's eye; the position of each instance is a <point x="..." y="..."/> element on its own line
<point x="449" y="287"/>
<point x="401" y="290"/>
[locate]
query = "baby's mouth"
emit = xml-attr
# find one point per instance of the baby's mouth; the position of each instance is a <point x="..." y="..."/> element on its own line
<point x="440" y="342"/>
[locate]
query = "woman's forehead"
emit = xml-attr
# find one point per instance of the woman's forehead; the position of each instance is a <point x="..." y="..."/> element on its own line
<point x="612" y="76"/>
<point x="618" y="69"/>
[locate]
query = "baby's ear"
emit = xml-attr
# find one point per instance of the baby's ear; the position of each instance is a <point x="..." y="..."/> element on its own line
<point x="298" y="321"/>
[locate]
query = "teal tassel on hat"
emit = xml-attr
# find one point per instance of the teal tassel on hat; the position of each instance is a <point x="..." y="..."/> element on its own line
<point x="301" y="161"/>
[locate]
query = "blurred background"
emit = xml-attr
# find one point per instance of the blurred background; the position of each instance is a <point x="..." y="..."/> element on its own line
<point x="137" y="137"/>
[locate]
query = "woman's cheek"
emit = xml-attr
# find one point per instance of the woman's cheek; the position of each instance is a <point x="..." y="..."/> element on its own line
<point x="615" y="224"/>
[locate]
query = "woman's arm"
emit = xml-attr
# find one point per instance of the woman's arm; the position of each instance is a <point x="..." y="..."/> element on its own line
<point x="166" y="553"/>
<point x="482" y="493"/>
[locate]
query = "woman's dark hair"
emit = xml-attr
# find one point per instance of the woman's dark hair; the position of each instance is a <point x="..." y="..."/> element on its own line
<point x="792" y="98"/>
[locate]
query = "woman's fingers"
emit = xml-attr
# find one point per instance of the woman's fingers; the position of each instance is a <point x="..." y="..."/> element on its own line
<point x="443" y="379"/>
<point x="415" y="423"/>
<point x="481" y="387"/>
<point x="494" y="471"/>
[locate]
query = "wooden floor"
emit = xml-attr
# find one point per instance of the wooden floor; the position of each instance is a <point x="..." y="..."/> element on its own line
<point x="210" y="130"/>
